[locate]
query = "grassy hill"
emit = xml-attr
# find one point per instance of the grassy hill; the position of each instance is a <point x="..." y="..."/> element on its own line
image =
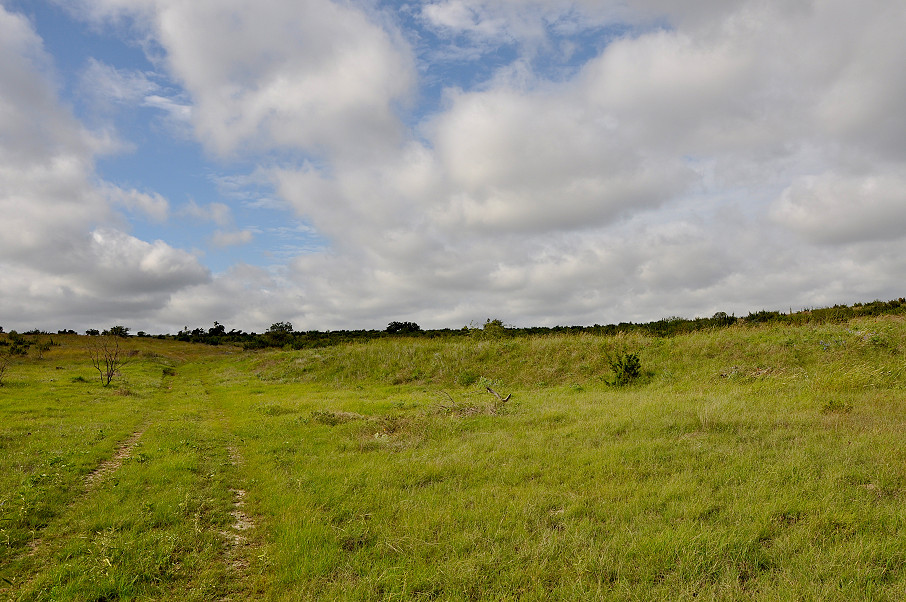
<point x="755" y="462"/>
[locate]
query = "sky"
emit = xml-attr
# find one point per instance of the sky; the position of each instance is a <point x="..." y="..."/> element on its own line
<point x="341" y="164"/>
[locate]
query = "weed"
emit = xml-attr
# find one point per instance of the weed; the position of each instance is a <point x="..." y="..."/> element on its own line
<point x="467" y="378"/>
<point x="273" y="409"/>
<point x="835" y="406"/>
<point x="334" y="418"/>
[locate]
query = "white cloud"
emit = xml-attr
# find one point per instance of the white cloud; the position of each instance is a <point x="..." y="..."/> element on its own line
<point x="150" y="203"/>
<point x="459" y="16"/>
<point x="310" y="75"/>
<point x="540" y="161"/>
<point x="233" y="238"/>
<point x="176" y="110"/>
<point x="836" y="208"/>
<point x="106" y="84"/>
<point x="219" y="213"/>
<point x="121" y="263"/>
<point x="106" y="88"/>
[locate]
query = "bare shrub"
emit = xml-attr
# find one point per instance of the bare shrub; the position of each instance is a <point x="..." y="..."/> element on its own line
<point x="107" y="356"/>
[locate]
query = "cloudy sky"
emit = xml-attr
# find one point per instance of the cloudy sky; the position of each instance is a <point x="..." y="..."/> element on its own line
<point x="345" y="163"/>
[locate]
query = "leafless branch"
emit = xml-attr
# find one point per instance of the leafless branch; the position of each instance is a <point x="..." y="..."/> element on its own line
<point x="497" y="395"/>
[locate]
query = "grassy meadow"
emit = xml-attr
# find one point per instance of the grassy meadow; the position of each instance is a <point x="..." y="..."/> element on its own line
<point x="746" y="463"/>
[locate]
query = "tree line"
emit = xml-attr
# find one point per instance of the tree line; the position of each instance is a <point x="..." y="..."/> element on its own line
<point x="282" y="334"/>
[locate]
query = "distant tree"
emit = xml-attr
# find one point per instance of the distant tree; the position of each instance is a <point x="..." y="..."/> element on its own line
<point x="279" y="334"/>
<point x="107" y="356"/>
<point x="284" y="327"/>
<point x="117" y="331"/>
<point x="403" y="327"/>
<point x="218" y="330"/>
<point x="92" y="332"/>
<point x="722" y="319"/>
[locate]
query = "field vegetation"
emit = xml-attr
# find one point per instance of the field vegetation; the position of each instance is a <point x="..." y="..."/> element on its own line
<point x="756" y="460"/>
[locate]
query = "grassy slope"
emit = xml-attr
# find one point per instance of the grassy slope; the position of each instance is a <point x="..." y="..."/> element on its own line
<point x="751" y="463"/>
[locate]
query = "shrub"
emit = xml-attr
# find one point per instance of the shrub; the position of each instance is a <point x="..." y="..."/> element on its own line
<point x="107" y="356"/>
<point x="626" y="368"/>
<point x="491" y="329"/>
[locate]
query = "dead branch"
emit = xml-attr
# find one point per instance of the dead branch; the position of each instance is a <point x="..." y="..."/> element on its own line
<point x="497" y="395"/>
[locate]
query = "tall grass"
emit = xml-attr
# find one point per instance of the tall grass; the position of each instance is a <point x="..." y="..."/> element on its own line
<point x="857" y="354"/>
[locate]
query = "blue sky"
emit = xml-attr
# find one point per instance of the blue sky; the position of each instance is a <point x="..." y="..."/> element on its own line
<point x="343" y="165"/>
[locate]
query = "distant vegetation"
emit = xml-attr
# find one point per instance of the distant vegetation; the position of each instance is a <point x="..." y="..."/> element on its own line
<point x="282" y="334"/>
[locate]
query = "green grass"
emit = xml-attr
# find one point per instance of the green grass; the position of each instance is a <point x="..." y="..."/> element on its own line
<point x="750" y="463"/>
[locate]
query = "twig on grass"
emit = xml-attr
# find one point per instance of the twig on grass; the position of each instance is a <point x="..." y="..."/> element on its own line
<point x="497" y="395"/>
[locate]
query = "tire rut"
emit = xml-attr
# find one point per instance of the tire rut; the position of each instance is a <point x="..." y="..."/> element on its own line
<point x="242" y="522"/>
<point x="108" y="467"/>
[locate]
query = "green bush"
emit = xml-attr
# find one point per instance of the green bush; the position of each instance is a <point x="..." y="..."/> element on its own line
<point x="626" y="368"/>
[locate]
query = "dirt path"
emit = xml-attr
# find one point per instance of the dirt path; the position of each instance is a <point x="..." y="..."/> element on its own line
<point x="94" y="478"/>
<point x="108" y="467"/>
<point x="239" y="546"/>
<point x="242" y="522"/>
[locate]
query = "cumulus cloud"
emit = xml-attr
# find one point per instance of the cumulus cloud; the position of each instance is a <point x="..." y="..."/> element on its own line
<point x="315" y="74"/>
<point x="518" y="161"/>
<point x="123" y="263"/>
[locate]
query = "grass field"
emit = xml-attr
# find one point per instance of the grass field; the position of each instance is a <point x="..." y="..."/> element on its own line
<point x="747" y="463"/>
